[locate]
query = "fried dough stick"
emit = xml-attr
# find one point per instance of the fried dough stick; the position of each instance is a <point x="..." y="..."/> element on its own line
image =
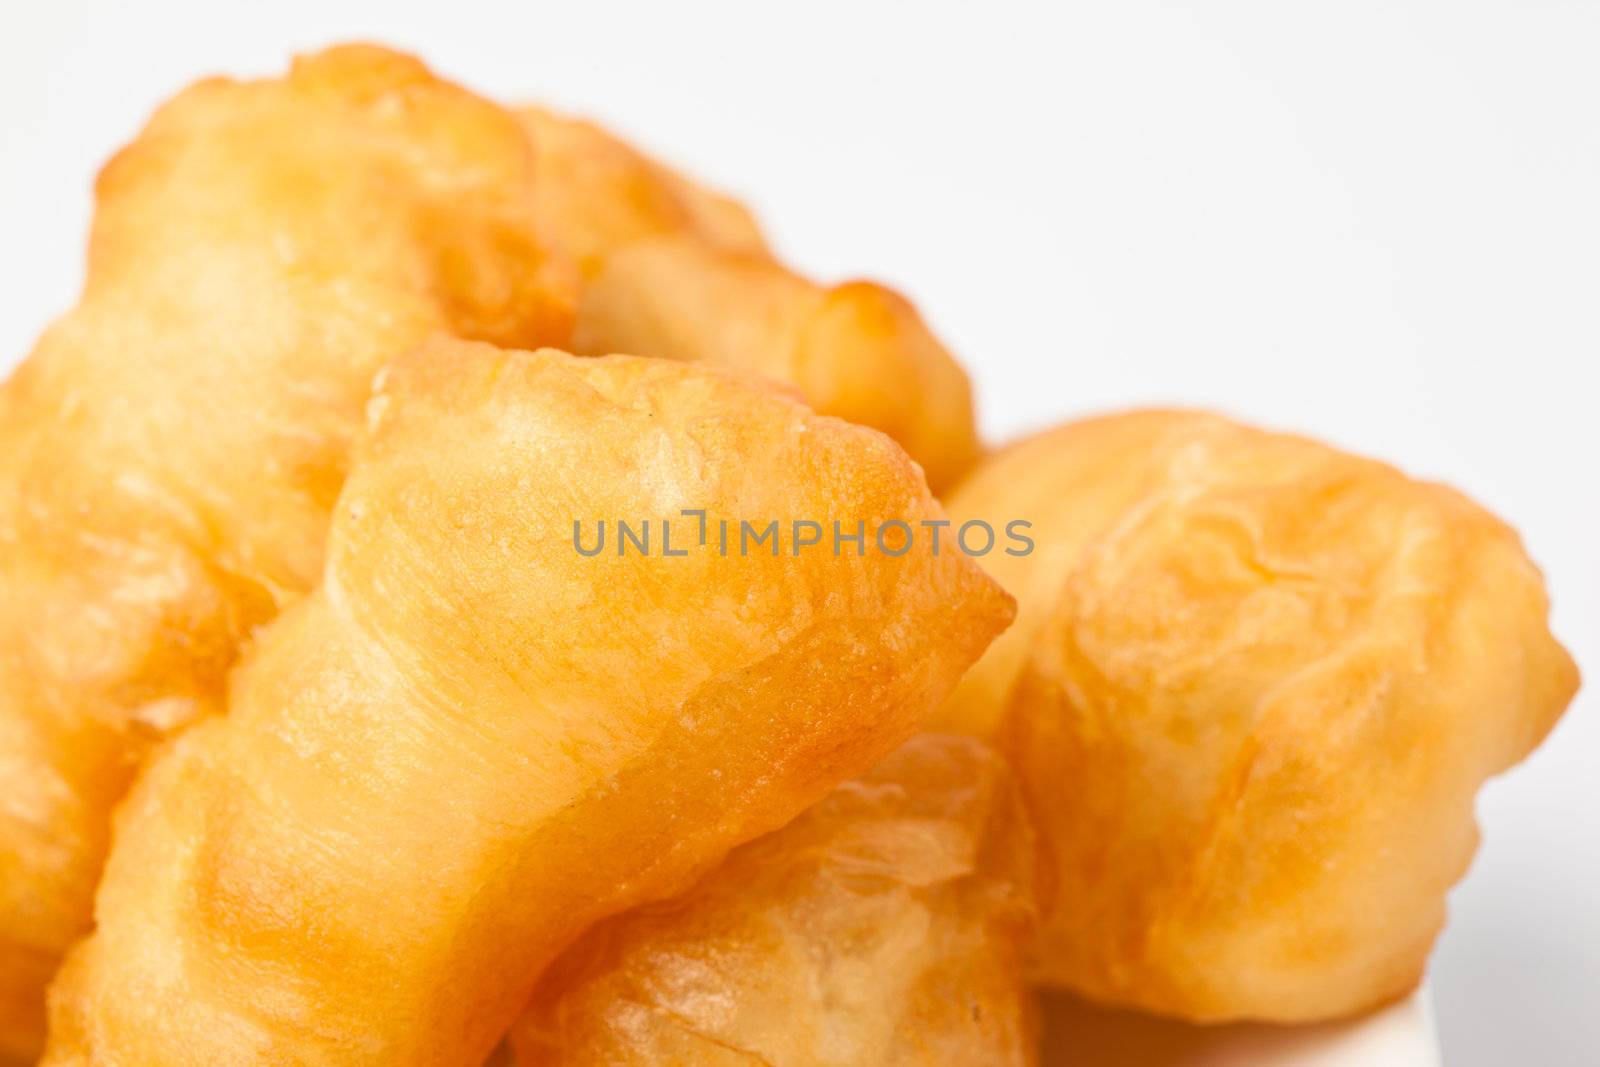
<point x="675" y="272"/>
<point x="885" y="926"/>
<point x="474" y="741"/>
<point x="170" y="451"/>
<point x="1255" y="686"/>
<point x="1071" y="484"/>
<point x="598" y="193"/>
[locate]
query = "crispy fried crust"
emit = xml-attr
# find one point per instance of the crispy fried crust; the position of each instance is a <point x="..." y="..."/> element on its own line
<point x="1254" y="686"/>
<point x="882" y="928"/>
<point x="1070" y="484"/>
<point x="473" y="742"/>
<point x="677" y="272"/>
<point x="170" y="452"/>
<point x="598" y="193"/>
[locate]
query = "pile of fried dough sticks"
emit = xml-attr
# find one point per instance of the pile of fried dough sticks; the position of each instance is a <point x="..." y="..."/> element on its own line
<point x="336" y="729"/>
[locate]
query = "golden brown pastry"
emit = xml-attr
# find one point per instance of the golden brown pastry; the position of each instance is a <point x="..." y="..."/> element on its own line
<point x="1253" y="689"/>
<point x="170" y="451"/>
<point x="676" y="272"/>
<point x="597" y="193"/>
<point x="884" y="926"/>
<point x="1069" y="485"/>
<point x="858" y="350"/>
<point x="473" y="740"/>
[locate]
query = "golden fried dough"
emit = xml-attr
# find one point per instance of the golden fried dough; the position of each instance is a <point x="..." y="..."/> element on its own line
<point x="858" y="350"/>
<point x="598" y="193"/>
<point x="473" y="741"/>
<point x="1071" y="484"/>
<point x="170" y="452"/>
<point x="1255" y="687"/>
<point x="676" y="272"/>
<point x="884" y="926"/>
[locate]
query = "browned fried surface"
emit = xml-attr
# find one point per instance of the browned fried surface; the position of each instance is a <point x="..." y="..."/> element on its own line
<point x="472" y="742"/>
<point x="882" y="927"/>
<point x="170" y="451"/>
<point x="1254" y="685"/>
<point x="675" y="271"/>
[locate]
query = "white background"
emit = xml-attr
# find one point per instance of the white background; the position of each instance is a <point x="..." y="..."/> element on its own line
<point x="1376" y="223"/>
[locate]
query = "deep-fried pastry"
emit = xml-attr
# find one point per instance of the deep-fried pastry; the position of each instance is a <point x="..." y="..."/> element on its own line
<point x="1070" y="485"/>
<point x="474" y="740"/>
<point x="597" y="194"/>
<point x="676" y="272"/>
<point x="170" y="451"/>
<point x="858" y="350"/>
<point x="1256" y="685"/>
<point x="884" y="926"/>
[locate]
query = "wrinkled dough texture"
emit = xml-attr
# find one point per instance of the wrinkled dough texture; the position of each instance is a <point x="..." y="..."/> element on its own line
<point x="171" y="450"/>
<point x="675" y="271"/>
<point x="1070" y="484"/>
<point x="471" y="742"/>
<point x="1254" y="686"/>
<point x="885" y="926"/>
